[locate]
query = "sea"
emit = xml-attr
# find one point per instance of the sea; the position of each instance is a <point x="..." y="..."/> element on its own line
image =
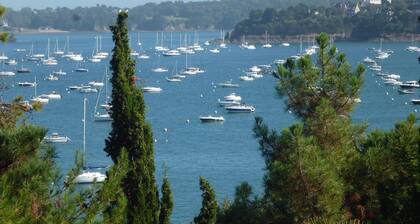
<point x="225" y="153"/>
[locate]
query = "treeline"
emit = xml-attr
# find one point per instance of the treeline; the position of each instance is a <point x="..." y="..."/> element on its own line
<point x="371" y="21"/>
<point x="177" y="15"/>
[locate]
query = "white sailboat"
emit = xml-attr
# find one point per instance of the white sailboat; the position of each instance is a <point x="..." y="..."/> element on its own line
<point x="57" y="50"/>
<point x="102" y="116"/>
<point x="222" y="44"/>
<point x="37" y="98"/>
<point x="87" y="176"/>
<point x="50" y="60"/>
<point x="266" y="45"/>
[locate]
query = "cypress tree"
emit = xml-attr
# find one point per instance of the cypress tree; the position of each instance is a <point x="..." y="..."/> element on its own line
<point x="131" y="132"/>
<point x="166" y="202"/>
<point x="208" y="212"/>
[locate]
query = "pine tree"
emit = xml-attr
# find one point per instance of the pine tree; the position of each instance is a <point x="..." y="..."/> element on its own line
<point x="130" y="131"/>
<point x="208" y="211"/>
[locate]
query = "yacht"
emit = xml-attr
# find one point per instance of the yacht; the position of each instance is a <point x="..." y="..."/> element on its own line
<point x="39" y="99"/>
<point x="406" y="91"/>
<point x="240" y="109"/>
<point x="56" y="138"/>
<point x="228" y="103"/>
<point x="87" y="176"/>
<point x="368" y="60"/>
<point x="382" y="55"/>
<point x="254" y="75"/>
<point x="214" y="51"/>
<point x="415" y="101"/>
<point x="228" y="84"/>
<point x="233" y="97"/>
<point x="285" y="44"/>
<point x="51" y="78"/>
<point x="143" y="56"/>
<point x="102" y="117"/>
<point x="159" y="70"/>
<point x="88" y="89"/>
<point x="96" y="84"/>
<point x="50" y="61"/>
<point x="246" y="78"/>
<point x="392" y="82"/>
<point x="207" y="43"/>
<point x="52" y="96"/>
<point x="151" y="89"/>
<point x="255" y="69"/>
<point x="27" y="84"/>
<point x="3" y="57"/>
<point x="7" y="73"/>
<point x="267" y="45"/>
<point x="409" y="85"/>
<point x="59" y="72"/>
<point x="80" y="68"/>
<point x="11" y="62"/>
<point x="375" y="67"/>
<point x="211" y="119"/>
<point x="173" y="79"/>
<point x="23" y="70"/>
<point x="171" y="53"/>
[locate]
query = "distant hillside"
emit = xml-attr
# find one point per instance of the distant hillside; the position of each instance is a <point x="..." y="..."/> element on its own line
<point x="347" y="19"/>
<point x="178" y="15"/>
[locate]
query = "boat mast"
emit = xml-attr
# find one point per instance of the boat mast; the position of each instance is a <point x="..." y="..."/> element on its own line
<point x="84" y="129"/>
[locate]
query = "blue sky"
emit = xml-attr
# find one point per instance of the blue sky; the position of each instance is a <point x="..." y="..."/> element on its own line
<point x="40" y="4"/>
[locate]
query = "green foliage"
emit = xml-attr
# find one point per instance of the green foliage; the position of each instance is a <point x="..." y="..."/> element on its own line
<point x="166" y="203"/>
<point x="371" y="22"/>
<point x="208" y="211"/>
<point x="325" y="169"/>
<point x="131" y="132"/>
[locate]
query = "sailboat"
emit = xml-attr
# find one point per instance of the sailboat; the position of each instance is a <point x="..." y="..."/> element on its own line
<point x="49" y="60"/>
<point x="159" y="69"/>
<point x="38" y="99"/>
<point x="175" y="77"/>
<point x="6" y="73"/>
<point x="266" y="45"/>
<point x="102" y="116"/>
<point x="57" y="50"/>
<point x="171" y="52"/>
<point x="87" y="176"/>
<point x="81" y="68"/>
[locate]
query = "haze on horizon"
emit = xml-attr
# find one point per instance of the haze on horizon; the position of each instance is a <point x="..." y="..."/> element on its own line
<point x="41" y="4"/>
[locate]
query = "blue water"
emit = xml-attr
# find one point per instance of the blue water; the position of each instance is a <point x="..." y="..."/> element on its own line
<point x="225" y="153"/>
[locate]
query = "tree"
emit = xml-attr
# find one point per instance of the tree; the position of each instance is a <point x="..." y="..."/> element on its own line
<point x="166" y="205"/>
<point x="131" y="132"/>
<point x="208" y="211"/>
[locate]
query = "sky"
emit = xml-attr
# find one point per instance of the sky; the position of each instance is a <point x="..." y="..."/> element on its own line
<point x="41" y="4"/>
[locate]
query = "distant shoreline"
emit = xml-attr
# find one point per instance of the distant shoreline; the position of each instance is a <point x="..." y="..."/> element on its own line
<point x="278" y="39"/>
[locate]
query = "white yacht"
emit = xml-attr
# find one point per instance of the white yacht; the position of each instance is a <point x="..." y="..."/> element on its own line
<point x="214" y="51"/>
<point x="246" y="78"/>
<point x="27" y="84"/>
<point x="173" y="79"/>
<point x="159" y="70"/>
<point x="233" y="97"/>
<point x="211" y="119"/>
<point x="7" y="73"/>
<point x="368" y="60"/>
<point x="285" y="44"/>
<point x="51" y="78"/>
<point x="59" y="72"/>
<point x="96" y="84"/>
<point x="56" y="138"/>
<point x="228" y="103"/>
<point x="143" y="56"/>
<point x="151" y="89"/>
<point x="11" y="62"/>
<point x="409" y="85"/>
<point x="102" y="117"/>
<point x="415" y="101"/>
<point x="228" y="84"/>
<point x="38" y="99"/>
<point x="88" y="89"/>
<point x="171" y="53"/>
<point x="52" y="96"/>
<point x="240" y="109"/>
<point x="267" y="45"/>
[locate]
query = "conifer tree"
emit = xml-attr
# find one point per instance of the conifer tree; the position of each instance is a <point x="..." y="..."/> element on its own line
<point x="130" y="131"/>
<point x="166" y="205"/>
<point x="208" y="211"/>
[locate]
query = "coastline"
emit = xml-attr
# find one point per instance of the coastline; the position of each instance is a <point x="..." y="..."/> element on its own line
<point x="278" y="39"/>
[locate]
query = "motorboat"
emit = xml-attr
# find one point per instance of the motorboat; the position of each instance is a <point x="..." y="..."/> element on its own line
<point x="23" y="70"/>
<point x="173" y="79"/>
<point x="171" y="53"/>
<point x="49" y="62"/>
<point x="40" y="100"/>
<point x="7" y="73"/>
<point x="383" y="55"/>
<point x="51" y="78"/>
<point x="409" y="85"/>
<point x="212" y="119"/>
<point x="150" y="89"/>
<point x="3" y="57"/>
<point x="228" y="84"/>
<point x="406" y="91"/>
<point x="81" y="69"/>
<point x="94" y="60"/>
<point x="96" y="84"/>
<point x="227" y="103"/>
<point x="56" y="138"/>
<point x="143" y="56"/>
<point x="207" y="43"/>
<point x="179" y="76"/>
<point x="160" y="70"/>
<point x="240" y="109"/>
<point x="368" y="60"/>
<point x="192" y="71"/>
<point x="255" y="69"/>
<point x="375" y="67"/>
<point x="392" y="82"/>
<point x="76" y="87"/>
<point x="11" y="62"/>
<point x="102" y="117"/>
<point x="52" y="96"/>
<point x="246" y="78"/>
<point x="233" y="97"/>
<point x="88" y="89"/>
<point x="255" y="75"/>
<point x="59" y="72"/>
<point x="214" y="51"/>
<point x="393" y="76"/>
<point x="27" y="84"/>
<point x="285" y="44"/>
<point x="415" y="101"/>
<point x="76" y="57"/>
